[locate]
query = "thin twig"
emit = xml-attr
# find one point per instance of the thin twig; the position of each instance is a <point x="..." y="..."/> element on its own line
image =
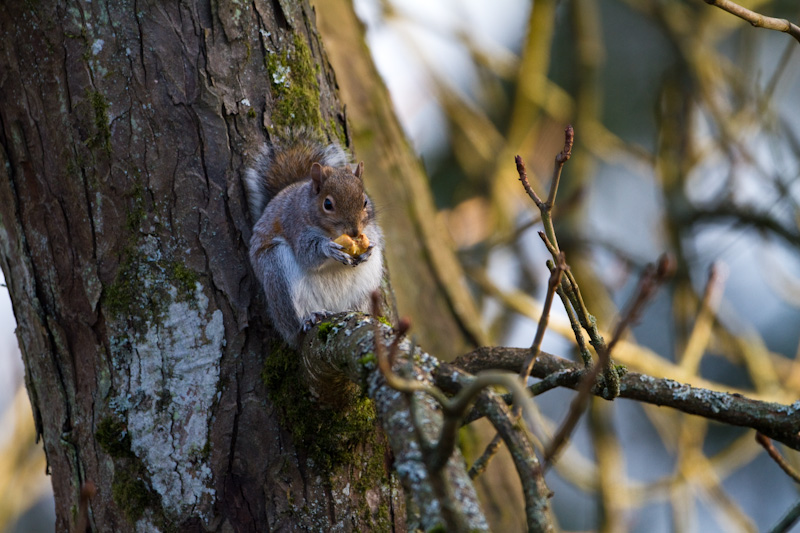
<point x="569" y="287"/>
<point x="546" y="208"/>
<point x="756" y="19"/>
<point x="480" y="464"/>
<point x="523" y="177"/>
<point x="561" y="158"/>
<point x="568" y="284"/>
<point x="553" y="283"/>
<point x="576" y="409"/>
<point x="765" y="441"/>
<point x="586" y="317"/>
<point x="586" y="356"/>
<point x="788" y="520"/>
<point x="650" y="280"/>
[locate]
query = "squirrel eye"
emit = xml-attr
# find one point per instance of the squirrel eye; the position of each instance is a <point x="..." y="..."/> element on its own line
<point x="328" y="204"/>
<point x="365" y="203"/>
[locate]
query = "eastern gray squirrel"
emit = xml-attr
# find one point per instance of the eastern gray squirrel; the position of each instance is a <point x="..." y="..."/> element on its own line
<point x="303" y="196"/>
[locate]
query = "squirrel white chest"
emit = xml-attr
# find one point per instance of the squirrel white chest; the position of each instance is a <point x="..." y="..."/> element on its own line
<point x="334" y="287"/>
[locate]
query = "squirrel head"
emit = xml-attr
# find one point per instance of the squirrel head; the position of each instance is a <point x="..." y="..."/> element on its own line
<point x="342" y="205"/>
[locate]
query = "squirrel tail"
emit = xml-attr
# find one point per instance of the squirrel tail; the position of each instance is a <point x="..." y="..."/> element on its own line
<point x="277" y="166"/>
<point x="255" y="180"/>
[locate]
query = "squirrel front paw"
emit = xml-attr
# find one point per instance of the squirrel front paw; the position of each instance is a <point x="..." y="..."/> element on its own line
<point x="336" y="252"/>
<point x="357" y="260"/>
<point x="313" y="319"/>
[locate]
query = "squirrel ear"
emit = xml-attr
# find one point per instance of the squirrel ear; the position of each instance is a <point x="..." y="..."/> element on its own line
<point x="317" y="177"/>
<point x="359" y="170"/>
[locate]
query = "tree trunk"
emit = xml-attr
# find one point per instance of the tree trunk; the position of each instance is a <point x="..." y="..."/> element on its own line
<point x="123" y="239"/>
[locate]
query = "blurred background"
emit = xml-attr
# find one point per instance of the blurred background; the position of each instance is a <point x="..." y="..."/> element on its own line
<point x="687" y="126"/>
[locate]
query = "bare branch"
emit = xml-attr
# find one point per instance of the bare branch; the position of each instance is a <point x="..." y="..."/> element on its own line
<point x="651" y="279"/>
<point x="553" y="283"/>
<point x="776" y="421"/>
<point x="756" y="19"/>
<point x="534" y="490"/>
<point x="569" y="286"/>
<point x="546" y="208"/>
<point x="575" y="324"/>
<point x="437" y="455"/>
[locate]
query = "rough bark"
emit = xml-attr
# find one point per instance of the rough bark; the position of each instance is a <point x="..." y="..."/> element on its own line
<point x="124" y="127"/>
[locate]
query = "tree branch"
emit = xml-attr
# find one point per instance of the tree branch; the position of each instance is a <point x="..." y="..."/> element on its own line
<point x="744" y="216"/>
<point x="776" y="421"/>
<point x="570" y="287"/>
<point x="652" y="278"/>
<point x="756" y="19"/>
<point x="534" y="490"/>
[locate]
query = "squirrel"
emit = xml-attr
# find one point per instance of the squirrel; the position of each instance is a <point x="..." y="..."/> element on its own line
<point x="303" y="196"/>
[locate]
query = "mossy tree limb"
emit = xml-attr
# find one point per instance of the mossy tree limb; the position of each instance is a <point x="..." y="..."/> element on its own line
<point x="337" y="355"/>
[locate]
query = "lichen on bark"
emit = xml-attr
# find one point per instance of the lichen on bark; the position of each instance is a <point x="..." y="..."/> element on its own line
<point x="174" y="372"/>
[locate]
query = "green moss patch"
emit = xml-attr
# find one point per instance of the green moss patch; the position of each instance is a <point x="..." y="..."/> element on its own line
<point x="329" y="436"/>
<point x="186" y="280"/>
<point x="132" y="493"/>
<point x="370" y="358"/>
<point x="141" y="292"/>
<point x="112" y="436"/>
<point x="373" y="475"/>
<point x="130" y="487"/>
<point x="102" y="129"/>
<point x="324" y="330"/>
<point x="295" y="89"/>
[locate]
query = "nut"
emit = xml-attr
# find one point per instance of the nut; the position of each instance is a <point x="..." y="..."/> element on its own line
<point x="352" y="246"/>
